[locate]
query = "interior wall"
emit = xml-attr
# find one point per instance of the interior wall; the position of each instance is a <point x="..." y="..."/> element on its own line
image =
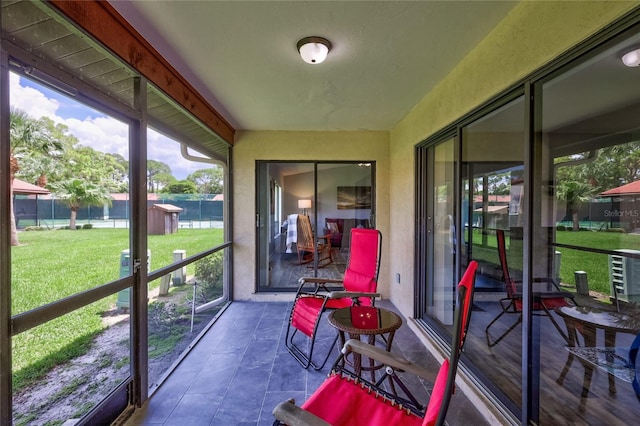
<point x="322" y="146"/>
<point x="296" y="187"/>
<point x="300" y="185"/>
<point x="531" y="35"/>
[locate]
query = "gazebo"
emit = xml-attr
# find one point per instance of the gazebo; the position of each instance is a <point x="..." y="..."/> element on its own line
<point x="28" y="209"/>
<point x="630" y="189"/>
<point x="625" y="204"/>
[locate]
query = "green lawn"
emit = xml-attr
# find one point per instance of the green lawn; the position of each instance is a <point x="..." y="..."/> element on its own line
<point x="596" y="265"/>
<point x="50" y="265"/>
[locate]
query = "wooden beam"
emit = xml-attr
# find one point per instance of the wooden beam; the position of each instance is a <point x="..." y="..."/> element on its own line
<point x="100" y="20"/>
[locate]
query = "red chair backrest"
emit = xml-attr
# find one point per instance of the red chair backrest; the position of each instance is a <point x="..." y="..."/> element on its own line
<point x="364" y="260"/>
<point x="437" y="395"/>
<point x="465" y="290"/>
<point x="444" y="385"/>
<point x="502" y="252"/>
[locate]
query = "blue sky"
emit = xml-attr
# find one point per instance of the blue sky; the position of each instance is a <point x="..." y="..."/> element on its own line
<point x="93" y="128"/>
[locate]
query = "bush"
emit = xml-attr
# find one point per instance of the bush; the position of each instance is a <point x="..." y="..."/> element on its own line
<point x="209" y="274"/>
<point x="33" y="228"/>
<point x="162" y="316"/>
<point x="87" y="226"/>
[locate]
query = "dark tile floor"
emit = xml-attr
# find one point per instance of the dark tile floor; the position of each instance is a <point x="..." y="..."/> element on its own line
<point x="240" y="370"/>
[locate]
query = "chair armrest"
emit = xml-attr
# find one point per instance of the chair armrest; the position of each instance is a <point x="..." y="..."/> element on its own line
<point x="292" y="415"/>
<point x="352" y="294"/>
<point x="319" y="280"/>
<point x="386" y="358"/>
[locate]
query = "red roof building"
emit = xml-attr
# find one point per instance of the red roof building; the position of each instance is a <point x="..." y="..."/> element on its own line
<point x="632" y="188"/>
<point x="25" y="188"/>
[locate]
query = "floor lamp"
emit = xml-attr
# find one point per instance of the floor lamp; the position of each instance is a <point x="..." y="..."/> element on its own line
<point x="304" y="205"/>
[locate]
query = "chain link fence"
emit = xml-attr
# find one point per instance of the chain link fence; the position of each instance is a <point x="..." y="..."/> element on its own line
<point x="198" y="211"/>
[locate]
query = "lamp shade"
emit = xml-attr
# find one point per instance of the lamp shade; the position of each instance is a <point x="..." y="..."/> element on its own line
<point x="314" y="50"/>
<point x="304" y="204"/>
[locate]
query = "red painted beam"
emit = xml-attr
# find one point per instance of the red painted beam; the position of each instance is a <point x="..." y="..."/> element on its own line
<point x="100" y="20"/>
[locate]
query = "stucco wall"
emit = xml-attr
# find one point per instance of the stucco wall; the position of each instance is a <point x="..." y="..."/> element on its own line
<point x="534" y="33"/>
<point x="268" y="145"/>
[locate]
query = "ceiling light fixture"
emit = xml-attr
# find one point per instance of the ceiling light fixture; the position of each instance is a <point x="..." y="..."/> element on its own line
<point x="632" y="58"/>
<point x="314" y="50"/>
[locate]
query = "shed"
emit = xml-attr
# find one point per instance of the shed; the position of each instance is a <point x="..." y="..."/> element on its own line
<point x="163" y="219"/>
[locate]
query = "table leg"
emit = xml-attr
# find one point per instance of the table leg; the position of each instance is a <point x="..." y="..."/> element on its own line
<point x="571" y="334"/>
<point x="389" y="342"/>
<point x="589" y="335"/>
<point x="342" y="342"/>
<point x="610" y="341"/>
<point x="357" y="358"/>
<point x="372" y="367"/>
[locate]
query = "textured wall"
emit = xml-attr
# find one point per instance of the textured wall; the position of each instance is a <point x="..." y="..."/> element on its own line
<point x="534" y="33"/>
<point x="265" y="145"/>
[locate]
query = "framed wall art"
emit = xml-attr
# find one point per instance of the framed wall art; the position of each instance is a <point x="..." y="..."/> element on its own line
<point x="354" y="197"/>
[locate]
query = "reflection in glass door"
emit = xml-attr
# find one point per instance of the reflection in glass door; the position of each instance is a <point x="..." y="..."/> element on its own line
<point x="304" y="215"/>
<point x="442" y="232"/>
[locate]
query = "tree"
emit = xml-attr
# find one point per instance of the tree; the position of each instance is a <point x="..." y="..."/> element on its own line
<point x="575" y="193"/>
<point x="40" y="168"/>
<point x="155" y="168"/>
<point x="74" y="161"/>
<point x="208" y="181"/>
<point x="499" y="184"/>
<point x="611" y="167"/>
<point x="181" y="187"/>
<point x="163" y="180"/>
<point x="28" y="137"/>
<point x="83" y="162"/>
<point x="76" y="193"/>
<point x="120" y="174"/>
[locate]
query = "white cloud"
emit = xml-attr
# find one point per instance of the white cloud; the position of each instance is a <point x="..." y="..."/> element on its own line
<point x="95" y="129"/>
<point x="32" y="101"/>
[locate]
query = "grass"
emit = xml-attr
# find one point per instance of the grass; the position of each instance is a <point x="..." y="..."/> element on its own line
<point x="594" y="264"/>
<point x="50" y="265"/>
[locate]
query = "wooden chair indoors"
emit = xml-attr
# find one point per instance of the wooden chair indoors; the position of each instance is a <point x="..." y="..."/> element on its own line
<point x="308" y="245"/>
<point x="345" y="399"/>
<point x="543" y="301"/>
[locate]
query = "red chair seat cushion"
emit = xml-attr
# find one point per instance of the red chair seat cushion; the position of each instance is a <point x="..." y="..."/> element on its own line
<point x="305" y="313"/>
<point x="335" y="399"/>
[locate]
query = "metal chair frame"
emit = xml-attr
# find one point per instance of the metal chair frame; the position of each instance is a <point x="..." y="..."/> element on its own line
<point x="316" y="294"/>
<point x="543" y="301"/>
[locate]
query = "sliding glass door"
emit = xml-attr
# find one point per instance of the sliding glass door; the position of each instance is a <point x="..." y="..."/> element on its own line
<point x="304" y="215"/>
<point x="442" y="232"/>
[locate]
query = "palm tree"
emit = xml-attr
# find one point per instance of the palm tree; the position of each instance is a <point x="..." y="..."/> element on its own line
<point x="76" y="193"/>
<point x="575" y="194"/>
<point x="27" y="136"/>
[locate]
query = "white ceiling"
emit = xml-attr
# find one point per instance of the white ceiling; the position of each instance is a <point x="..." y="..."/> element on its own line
<point x="242" y="57"/>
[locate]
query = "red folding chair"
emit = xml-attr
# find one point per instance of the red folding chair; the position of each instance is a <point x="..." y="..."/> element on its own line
<point x="344" y="399"/>
<point x="543" y="301"/>
<point x="316" y="295"/>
